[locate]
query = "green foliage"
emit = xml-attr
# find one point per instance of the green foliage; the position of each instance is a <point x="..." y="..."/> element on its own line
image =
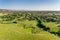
<point x="29" y="25"/>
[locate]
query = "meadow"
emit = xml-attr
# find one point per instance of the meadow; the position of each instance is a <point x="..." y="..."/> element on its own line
<point x="29" y="26"/>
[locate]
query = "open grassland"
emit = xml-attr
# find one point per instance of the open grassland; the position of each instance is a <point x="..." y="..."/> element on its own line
<point x="52" y="25"/>
<point x="15" y="32"/>
<point x="18" y="32"/>
<point x="2" y="14"/>
<point x="25" y="25"/>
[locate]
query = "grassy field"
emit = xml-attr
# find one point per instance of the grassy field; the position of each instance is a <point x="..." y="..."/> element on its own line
<point x="2" y="14"/>
<point x="28" y="27"/>
<point x="15" y="32"/>
<point x="52" y="25"/>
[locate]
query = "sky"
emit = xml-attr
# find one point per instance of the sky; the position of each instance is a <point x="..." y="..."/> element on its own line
<point x="30" y="4"/>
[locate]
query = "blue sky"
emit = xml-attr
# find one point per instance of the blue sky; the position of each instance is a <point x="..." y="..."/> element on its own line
<point x="30" y="4"/>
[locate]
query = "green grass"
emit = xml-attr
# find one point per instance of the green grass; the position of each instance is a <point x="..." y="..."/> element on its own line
<point x="16" y="32"/>
<point x="52" y="25"/>
<point x="1" y="14"/>
<point x="27" y="22"/>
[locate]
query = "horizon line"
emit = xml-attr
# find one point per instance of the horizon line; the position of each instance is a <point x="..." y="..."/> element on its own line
<point x="27" y="10"/>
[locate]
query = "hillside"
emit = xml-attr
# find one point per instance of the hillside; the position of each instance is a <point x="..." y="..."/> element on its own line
<point x="29" y="25"/>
